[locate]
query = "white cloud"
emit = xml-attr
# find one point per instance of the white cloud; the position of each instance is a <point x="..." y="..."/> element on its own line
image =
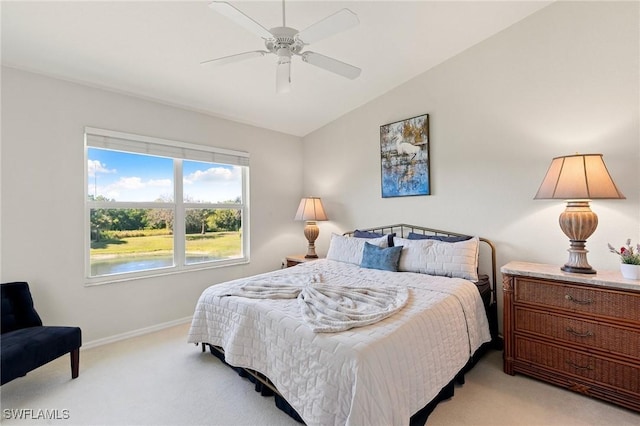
<point x="112" y="194"/>
<point x="95" y="166"/>
<point x="162" y="183"/>
<point x="134" y="188"/>
<point x="214" y="174"/>
<point x="133" y="182"/>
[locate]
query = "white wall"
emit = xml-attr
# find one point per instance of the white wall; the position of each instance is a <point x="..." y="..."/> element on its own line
<point x="561" y="81"/>
<point x="43" y="199"/>
<point x="564" y="80"/>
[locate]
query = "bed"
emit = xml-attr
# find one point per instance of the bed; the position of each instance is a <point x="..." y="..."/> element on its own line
<point x="348" y="339"/>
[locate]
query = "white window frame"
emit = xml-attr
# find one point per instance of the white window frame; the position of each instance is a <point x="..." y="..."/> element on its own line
<point x="178" y="151"/>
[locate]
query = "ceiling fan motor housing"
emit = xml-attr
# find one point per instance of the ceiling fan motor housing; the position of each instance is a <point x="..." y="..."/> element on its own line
<point x="284" y="42"/>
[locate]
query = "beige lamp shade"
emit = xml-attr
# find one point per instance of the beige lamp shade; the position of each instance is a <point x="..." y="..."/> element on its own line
<point x="578" y="179"/>
<point x="311" y="210"/>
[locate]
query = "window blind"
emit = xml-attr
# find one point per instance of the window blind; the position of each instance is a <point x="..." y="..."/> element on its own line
<point x="119" y="141"/>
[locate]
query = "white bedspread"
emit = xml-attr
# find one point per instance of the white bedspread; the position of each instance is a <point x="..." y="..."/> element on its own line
<point x="380" y="374"/>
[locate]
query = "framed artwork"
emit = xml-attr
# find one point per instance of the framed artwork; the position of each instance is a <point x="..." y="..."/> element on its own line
<point x="404" y="157"/>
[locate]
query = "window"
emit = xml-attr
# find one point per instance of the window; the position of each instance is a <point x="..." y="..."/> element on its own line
<point x="156" y="206"/>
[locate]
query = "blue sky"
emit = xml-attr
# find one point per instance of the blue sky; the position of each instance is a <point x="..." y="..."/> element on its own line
<point x="133" y="177"/>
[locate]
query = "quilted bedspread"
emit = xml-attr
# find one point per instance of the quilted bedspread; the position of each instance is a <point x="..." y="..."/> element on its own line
<point x="379" y="374"/>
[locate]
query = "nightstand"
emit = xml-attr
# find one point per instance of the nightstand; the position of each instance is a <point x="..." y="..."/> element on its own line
<point x="578" y="331"/>
<point x="297" y="259"/>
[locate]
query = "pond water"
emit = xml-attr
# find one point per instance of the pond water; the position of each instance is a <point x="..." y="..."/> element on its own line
<point x="122" y="265"/>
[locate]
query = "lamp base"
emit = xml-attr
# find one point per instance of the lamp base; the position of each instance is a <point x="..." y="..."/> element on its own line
<point x="578" y="222"/>
<point x="578" y="270"/>
<point x="577" y="262"/>
<point x="311" y="232"/>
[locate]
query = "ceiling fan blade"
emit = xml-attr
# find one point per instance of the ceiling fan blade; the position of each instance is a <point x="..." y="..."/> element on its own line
<point x="330" y="64"/>
<point x="332" y="24"/>
<point x="226" y="9"/>
<point x="283" y="75"/>
<point x="235" y="58"/>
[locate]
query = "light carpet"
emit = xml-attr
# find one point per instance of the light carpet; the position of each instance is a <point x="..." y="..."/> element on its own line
<point x="159" y="379"/>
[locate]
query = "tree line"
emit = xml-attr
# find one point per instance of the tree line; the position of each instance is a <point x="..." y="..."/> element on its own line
<point x="197" y="221"/>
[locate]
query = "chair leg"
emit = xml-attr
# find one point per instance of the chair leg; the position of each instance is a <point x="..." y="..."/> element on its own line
<point x="75" y="362"/>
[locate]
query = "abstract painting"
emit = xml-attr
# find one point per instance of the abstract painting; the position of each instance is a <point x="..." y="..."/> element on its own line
<point x="404" y="155"/>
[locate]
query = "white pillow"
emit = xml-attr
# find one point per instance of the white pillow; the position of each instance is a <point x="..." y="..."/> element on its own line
<point x="414" y="254"/>
<point x="433" y="257"/>
<point x="349" y="249"/>
<point x="457" y="260"/>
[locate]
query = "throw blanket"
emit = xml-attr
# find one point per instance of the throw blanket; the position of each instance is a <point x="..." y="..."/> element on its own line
<point x="327" y="308"/>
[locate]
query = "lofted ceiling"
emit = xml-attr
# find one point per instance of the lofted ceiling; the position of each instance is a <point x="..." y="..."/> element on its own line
<point x="153" y="49"/>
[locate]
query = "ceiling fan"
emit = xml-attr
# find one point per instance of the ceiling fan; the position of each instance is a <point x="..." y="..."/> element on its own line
<point x="286" y="42"/>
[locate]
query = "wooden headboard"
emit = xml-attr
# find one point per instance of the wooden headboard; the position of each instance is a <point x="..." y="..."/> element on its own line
<point x="402" y="230"/>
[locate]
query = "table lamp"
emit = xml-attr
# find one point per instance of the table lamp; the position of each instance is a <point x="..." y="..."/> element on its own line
<point x="311" y="211"/>
<point x="578" y="179"/>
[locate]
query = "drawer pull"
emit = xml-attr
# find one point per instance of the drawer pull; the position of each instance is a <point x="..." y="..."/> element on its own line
<point x="578" y="334"/>
<point x="579" y="367"/>
<point x="578" y="301"/>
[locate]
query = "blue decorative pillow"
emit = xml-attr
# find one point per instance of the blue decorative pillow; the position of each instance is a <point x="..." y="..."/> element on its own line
<point x="368" y="234"/>
<point x="386" y="259"/>
<point x="446" y="239"/>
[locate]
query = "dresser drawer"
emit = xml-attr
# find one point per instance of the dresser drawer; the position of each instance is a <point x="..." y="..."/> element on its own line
<point x="621" y="341"/>
<point x="586" y="300"/>
<point x="589" y="367"/>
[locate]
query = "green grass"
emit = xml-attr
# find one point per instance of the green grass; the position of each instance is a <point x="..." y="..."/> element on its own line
<point x="222" y="244"/>
<point x="219" y="244"/>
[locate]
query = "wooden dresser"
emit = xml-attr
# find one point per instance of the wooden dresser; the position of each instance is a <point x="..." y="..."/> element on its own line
<point x="578" y="331"/>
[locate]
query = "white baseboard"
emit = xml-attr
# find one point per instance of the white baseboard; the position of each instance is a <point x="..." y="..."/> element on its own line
<point x="134" y="333"/>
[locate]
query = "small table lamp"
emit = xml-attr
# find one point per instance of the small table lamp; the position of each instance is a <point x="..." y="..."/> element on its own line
<point x="311" y="210"/>
<point x="578" y="179"/>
